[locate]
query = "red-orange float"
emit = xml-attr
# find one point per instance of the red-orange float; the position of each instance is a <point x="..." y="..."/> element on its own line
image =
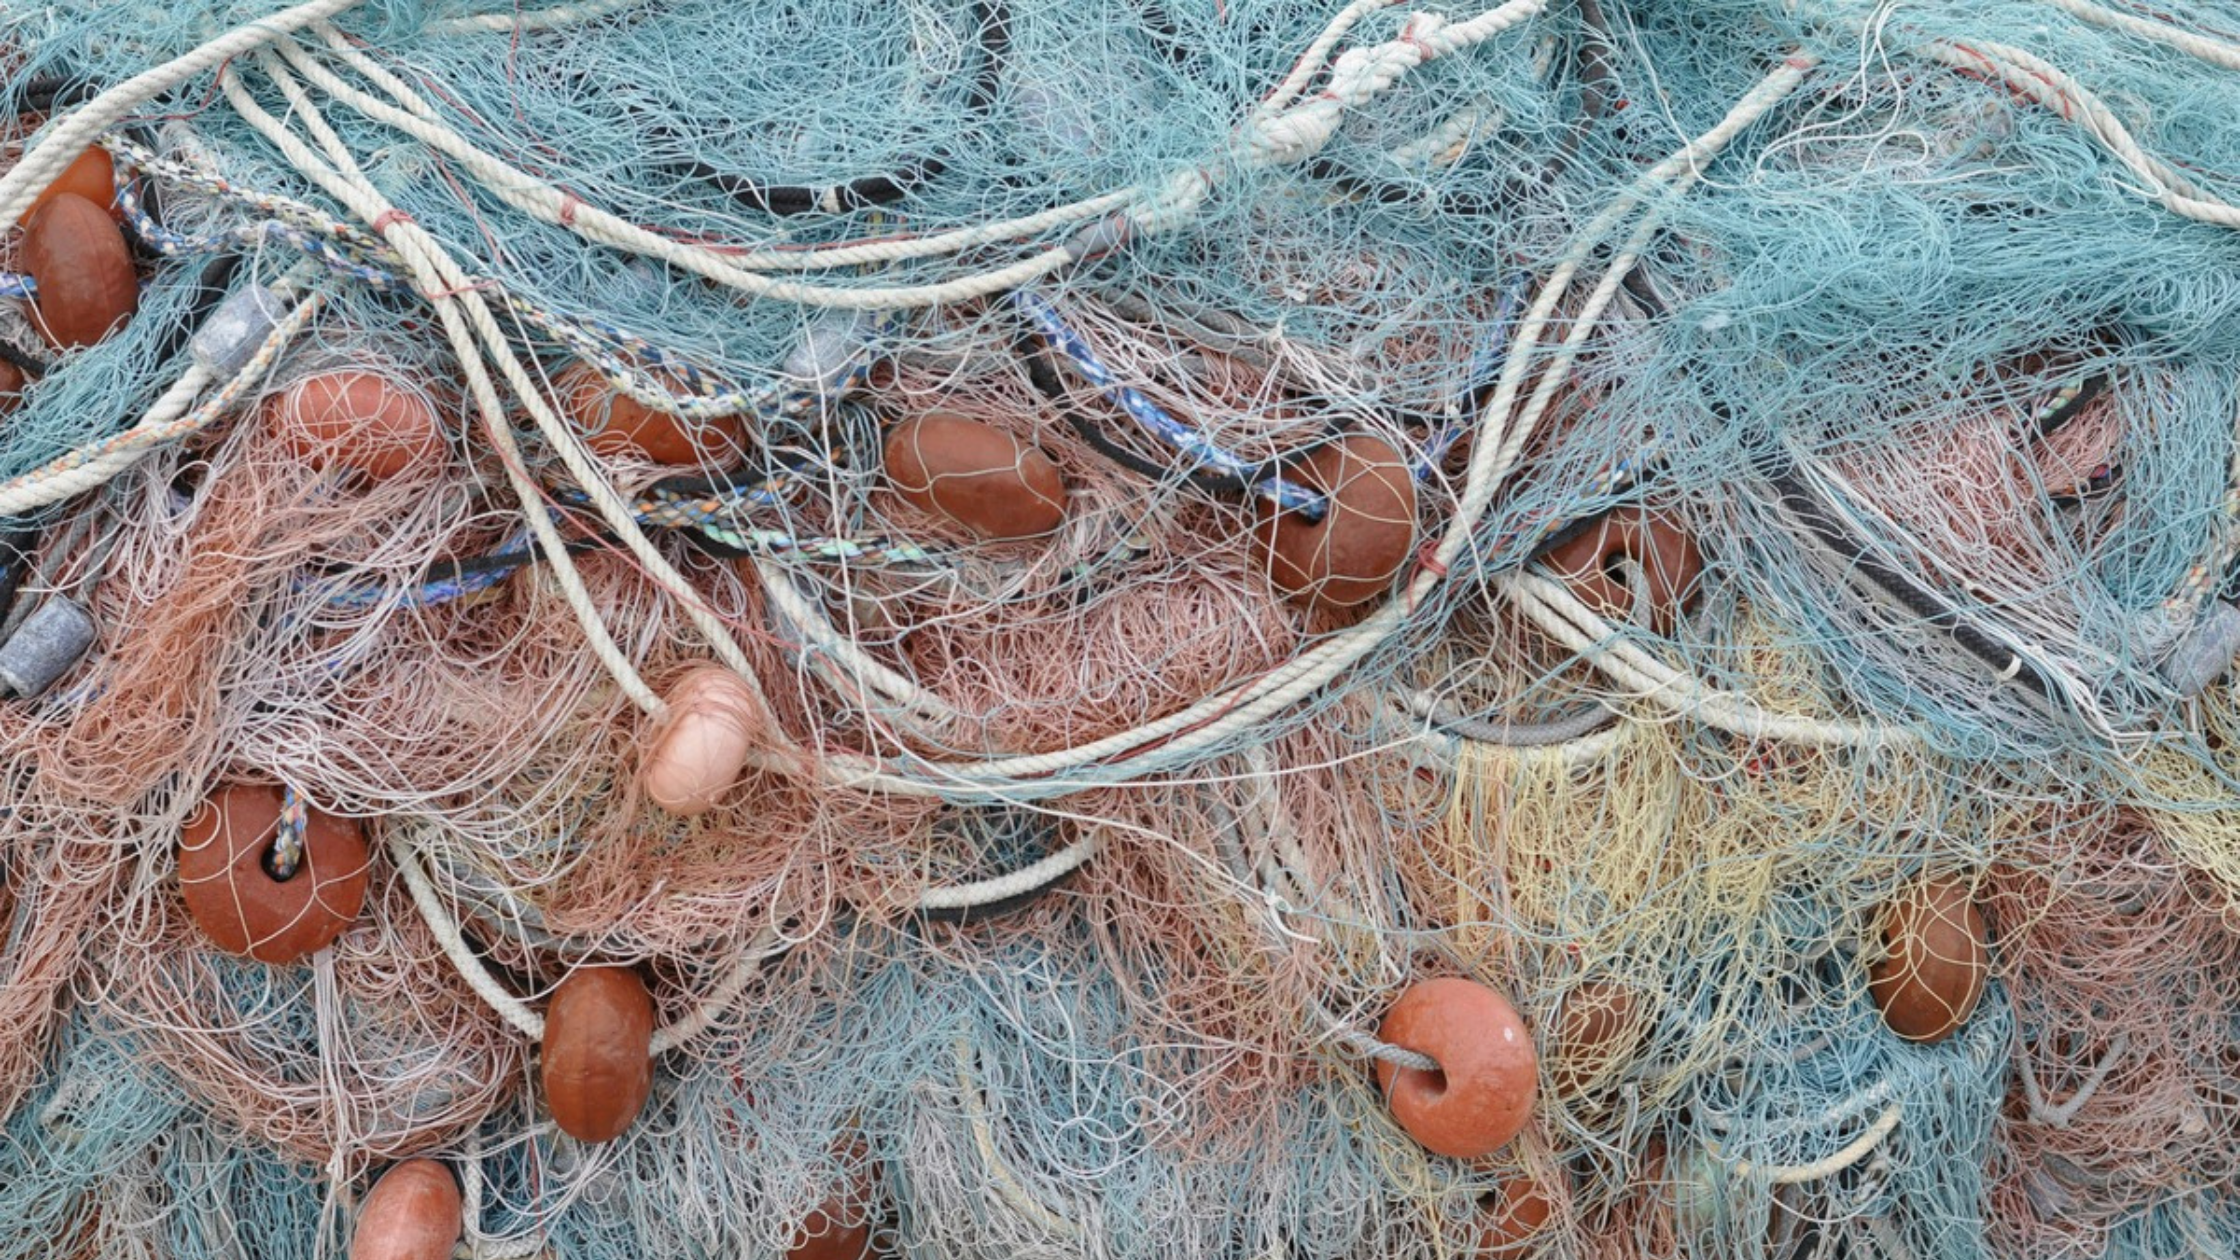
<point x="1598" y="1028"/>
<point x="1367" y="533"/>
<point x="598" y="1052"/>
<point x="615" y="425"/>
<point x="713" y="725"/>
<point x="1935" y="959"/>
<point x="358" y="420"/>
<point x="1482" y="1093"/>
<point x="831" y="1232"/>
<point x="1592" y="565"/>
<point x="90" y="175"/>
<point x="75" y="254"/>
<point x="240" y="905"/>
<point x="11" y="387"/>
<point x="413" y="1213"/>
<point x="1513" y="1216"/>
<point x="976" y="475"/>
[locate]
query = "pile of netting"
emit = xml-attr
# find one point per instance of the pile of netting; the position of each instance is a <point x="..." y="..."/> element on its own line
<point x="1122" y="628"/>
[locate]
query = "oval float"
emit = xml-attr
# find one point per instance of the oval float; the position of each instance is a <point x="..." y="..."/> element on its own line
<point x="78" y="258"/>
<point x="598" y="1052"/>
<point x="413" y="1213"/>
<point x="615" y="425"/>
<point x="356" y="419"/>
<point x="713" y="725"/>
<point x="1367" y="533"/>
<point x="91" y="175"/>
<point x="1515" y="1214"/>
<point x="976" y="475"/>
<point x="1935" y="959"/>
<point x="1597" y="1029"/>
<point x="1590" y="565"/>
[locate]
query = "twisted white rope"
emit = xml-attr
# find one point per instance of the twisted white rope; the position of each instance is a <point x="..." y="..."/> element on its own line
<point x="62" y="144"/>
<point x="2214" y="51"/>
<point x="443" y="282"/>
<point x="1551" y="607"/>
<point x="538" y="20"/>
<point x="2053" y="88"/>
<point x="1798" y="1174"/>
<point x="169" y="420"/>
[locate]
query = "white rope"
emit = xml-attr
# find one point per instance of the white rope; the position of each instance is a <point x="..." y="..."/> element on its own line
<point x="1798" y="1174"/>
<point x="537" y="20"/>
<point x="440" y="284"/>
<point x="1551" y="607"/>
<point x="62" y="144"/>
<point x="1018" y="883"/>
<point x="2053" y="88"/>
<point x="528" y="1021"/>
<point x="509" y="1008"/>
<point x="2214" y="51"/>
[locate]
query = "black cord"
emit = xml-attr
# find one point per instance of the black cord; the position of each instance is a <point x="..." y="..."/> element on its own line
<point x="1805" y="506"/>
<point x="43" y="94"/>
<point x="31" y="364"/>
<point x="17" y="540"/>
<point x="870" y="190"/>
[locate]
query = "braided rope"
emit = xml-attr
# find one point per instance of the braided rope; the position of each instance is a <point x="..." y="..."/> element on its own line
<point x="169" y="420"/>
<point x="62" y="144"/>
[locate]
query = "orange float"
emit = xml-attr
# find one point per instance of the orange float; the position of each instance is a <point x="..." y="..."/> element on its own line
<point x="90" y="175"/>
<point x="1935" y="959"/>
<point x="1367" y="533"/>
<point x="413" y="1213"/>
<point x="1482" y="1093"/>
<point x="1515" y="1214"/>
<point x="713" y="725"/>
<point x="1590" y="565"/>
<point x="1597" y="1028"/>
<point x="615" y="425"/>
<point x="976" y="475"/>
<point x="240" y="905"/>
<point x="75" y="254"/>
<point x="359" y="420"/>
<point x="598" y="1052"/>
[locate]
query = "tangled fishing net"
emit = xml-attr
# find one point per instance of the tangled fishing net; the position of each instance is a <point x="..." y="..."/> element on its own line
<point x="1257" y="628"/>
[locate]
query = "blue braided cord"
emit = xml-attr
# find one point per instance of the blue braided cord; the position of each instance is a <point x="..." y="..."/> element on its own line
<point x="287" y="845"/>
<point x="16" y="286"/>
<point x="1287" y="495"/>
<point x="880" y="552"/>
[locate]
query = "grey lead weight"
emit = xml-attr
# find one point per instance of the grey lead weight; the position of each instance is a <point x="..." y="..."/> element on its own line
<point x="2206" y="652"/>
<point x="49" y="643"/>
<point x="234" y="332"/>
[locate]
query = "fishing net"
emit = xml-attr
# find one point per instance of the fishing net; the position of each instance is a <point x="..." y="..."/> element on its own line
<point x="1006" y="593"/>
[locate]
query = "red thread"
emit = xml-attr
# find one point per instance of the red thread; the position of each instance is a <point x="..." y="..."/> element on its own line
<point x="474" y="286"/>
<point x="1428" y="560"/>
<point x="388" y="218"/>
<point x="568" y="203"/>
